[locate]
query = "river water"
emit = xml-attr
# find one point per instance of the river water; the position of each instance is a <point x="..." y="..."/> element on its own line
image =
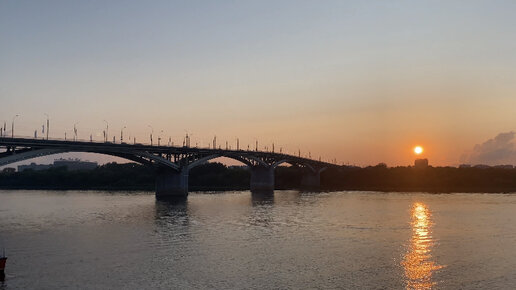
<point x="237" y="240"/>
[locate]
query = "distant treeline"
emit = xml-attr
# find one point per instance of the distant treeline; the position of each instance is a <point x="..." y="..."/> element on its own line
<point x="429" y="179"/>
<point x="217" y="176"/>
<point x="132" y="176"/>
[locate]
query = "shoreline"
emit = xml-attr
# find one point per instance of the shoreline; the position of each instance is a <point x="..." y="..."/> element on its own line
<point x="236" y="188"/>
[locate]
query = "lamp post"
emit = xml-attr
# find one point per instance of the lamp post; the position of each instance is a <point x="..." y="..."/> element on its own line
<point x="48" y="123"/>
<point x="75" y="131"/>
<point x="122" y="135"/>
<point x="12" y="126"/>
<point x="152" y="131"/>
<point x="107" y="129"/>
<point x="159" y="136"/>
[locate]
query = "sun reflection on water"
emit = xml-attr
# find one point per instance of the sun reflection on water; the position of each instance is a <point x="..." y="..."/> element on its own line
<point x="418" y="263"/>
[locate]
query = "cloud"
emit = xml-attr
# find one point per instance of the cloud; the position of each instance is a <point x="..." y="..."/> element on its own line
<point x="499" y="150"/>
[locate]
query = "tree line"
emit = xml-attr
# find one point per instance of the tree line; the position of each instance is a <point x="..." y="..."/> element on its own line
<point x="217" y="176"/>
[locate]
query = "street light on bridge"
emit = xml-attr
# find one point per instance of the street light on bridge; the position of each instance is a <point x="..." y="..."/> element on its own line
<point x="122" y="135"/>
<point x="159" y="136"/>
<point x="107" y="131"/>
<point x="12" y="126"/>
<point x="48" y="123"/>
<point x="75" y="131"/>
<point x="152" y="131"/>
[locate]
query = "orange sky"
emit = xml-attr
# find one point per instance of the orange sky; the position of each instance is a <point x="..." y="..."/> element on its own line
<point x="359" y="82"/>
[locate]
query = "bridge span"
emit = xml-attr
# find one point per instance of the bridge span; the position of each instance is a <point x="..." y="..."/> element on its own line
<point x="173" y="162"/>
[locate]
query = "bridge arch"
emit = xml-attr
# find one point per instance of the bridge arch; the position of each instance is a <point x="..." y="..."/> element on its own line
<point x="236" y="157"/>
<point x="23" y="154"/>
<point x="292" y="162"/>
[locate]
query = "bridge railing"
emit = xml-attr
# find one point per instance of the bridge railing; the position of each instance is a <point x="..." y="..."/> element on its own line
<point x="154" y="144"/>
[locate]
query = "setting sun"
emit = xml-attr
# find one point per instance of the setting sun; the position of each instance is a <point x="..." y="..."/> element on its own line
<point x="418" y="150"/>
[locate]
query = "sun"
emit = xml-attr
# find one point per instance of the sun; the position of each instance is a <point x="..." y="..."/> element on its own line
<point x="418" y="150"/>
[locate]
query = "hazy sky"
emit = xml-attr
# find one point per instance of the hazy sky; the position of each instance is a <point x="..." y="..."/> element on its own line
<point x="360" y="81"/>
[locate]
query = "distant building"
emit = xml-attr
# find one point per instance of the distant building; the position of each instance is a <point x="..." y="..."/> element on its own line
<point x="75" y="164"/>
<point x="34" y="166"/>
<point x="421" y="163"/>
<point x="482" y="166"/>
<point x="506" y="166"/>
<point x="238" y="167"/>
<point x="70" y="164"/>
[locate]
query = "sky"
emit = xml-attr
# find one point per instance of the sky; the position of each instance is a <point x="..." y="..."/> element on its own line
<point x="362" y="82"/>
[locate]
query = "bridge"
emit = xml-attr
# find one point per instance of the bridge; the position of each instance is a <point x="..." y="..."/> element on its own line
<point x="173" y="162"/>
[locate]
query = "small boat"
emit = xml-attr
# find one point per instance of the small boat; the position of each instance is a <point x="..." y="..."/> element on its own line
<point x="3" y="259"/>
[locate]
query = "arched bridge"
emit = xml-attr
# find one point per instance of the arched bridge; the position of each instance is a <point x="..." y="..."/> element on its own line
<point x="174" y="162"/>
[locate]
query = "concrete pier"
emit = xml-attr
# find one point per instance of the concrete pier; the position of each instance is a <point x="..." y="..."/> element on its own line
<point x="262" y="178"/>
<point x="171" y="184"/>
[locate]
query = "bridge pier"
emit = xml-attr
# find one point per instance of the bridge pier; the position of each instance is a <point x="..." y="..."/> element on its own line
<point x="262" y="178"/>
<point x="311" y="180"/>
<point x="171" y="184"/>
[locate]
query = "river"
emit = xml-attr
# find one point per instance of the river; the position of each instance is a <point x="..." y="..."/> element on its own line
<point x="237" y="240"/>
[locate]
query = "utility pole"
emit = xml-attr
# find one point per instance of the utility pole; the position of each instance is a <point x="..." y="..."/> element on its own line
<point x="238" y="144"/>
<point x="256" y="149"/>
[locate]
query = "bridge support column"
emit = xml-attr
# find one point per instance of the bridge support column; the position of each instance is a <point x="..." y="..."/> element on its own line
<point x="262" y="178"/>
<point x="311" y="180"/>
<point x="172" y="184"/>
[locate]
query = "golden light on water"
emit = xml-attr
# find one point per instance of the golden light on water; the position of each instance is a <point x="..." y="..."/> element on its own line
<point x="418" y="263"/>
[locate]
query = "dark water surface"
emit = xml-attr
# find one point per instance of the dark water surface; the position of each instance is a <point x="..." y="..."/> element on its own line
<point x="236" y="240"/>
